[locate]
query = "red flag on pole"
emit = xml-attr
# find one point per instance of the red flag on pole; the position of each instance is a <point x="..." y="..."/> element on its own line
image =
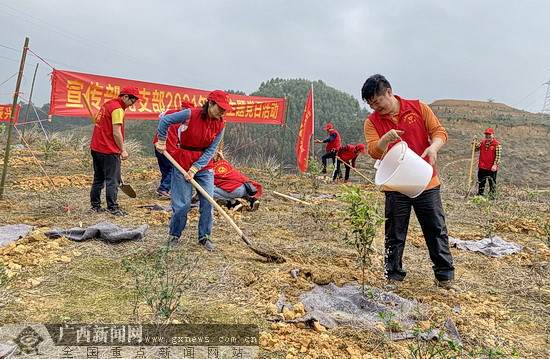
<point x="304" y="136"/>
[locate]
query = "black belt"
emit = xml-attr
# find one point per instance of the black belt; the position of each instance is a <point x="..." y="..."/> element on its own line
<point x="183" y="147"/>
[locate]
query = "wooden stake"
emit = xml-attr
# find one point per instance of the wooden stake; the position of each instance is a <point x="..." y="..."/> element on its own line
<point x="12" y="117"/>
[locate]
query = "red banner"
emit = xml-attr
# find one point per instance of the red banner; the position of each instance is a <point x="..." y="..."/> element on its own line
<point x="5" y="113"/>
<point x="68" y="87"/>
<point x="304" y="136"/>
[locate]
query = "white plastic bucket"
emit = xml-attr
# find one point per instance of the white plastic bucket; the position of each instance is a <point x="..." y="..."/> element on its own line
<point x="403" y="170"/>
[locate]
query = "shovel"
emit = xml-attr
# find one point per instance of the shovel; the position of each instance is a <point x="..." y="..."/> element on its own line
<point x="271" y="257"/>
<point x="126" y="188"/>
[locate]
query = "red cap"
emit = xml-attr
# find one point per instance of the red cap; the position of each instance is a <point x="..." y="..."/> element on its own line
<point x="132" y="91"/>
<point x="489" y="130"/>
<point x="361" y="147"/>
<point x="328" y="126"/>
<point x="221" y="98"/>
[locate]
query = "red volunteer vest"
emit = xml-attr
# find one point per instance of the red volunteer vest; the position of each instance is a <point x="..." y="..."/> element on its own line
<point x="334" y="144"/>
<point x="411" y="121"/>
<point x="197" y="134"/>
<point x="102" y="137"/>
<point x="347" y="153"/>
<point x="229" y="179"/>
<point x="171" y="135"/>
<point x="487" y="155"/>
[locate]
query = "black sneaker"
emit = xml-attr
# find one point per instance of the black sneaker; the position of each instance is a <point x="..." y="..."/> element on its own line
<point x="233" y="205"/>
<point x="172" y="241"/>
<point x="118" y="212"/>
<point x="97" y="210"/>
<point x="448" y="285"/>
<point x="207" y="243"/>
<point x="254" y="203"/>
<point x="392" y="285"/>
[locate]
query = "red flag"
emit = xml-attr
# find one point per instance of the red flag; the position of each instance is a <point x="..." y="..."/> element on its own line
<point x="304" y="136"/>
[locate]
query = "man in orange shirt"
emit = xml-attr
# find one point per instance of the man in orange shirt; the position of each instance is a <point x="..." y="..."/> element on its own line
<point x="414" y="122"/>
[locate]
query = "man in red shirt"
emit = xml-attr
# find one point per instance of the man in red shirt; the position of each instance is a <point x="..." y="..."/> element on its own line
<point x="347" y="154"/>
<point x="107" y="148"/>
<point x="489" y="159"/>
<point x="230" y="184"/>
<point x="333" y="143"/>
<point x="415" y="123"/>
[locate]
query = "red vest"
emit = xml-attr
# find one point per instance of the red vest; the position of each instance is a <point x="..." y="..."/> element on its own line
<point x="347" y="153"/>
<point x="334" y="144"/>
<point x="411" y="121"/>
<point x="171" y="135"/>
<point x="102" y="137"/>
<point x="196" y="135"/>
<point x="487" y="155"/>
<point x="229" y="179"/>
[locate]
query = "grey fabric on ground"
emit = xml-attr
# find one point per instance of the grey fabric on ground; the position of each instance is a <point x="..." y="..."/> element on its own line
<point x="13" y="232"/>
<point x="104" y="231"/>
<point x="6" y="350"/>
<point x="331" y="306"/>
<point x="493" y="246"/>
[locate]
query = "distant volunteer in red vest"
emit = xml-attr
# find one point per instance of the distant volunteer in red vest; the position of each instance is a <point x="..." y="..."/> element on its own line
<point x="230" y="184"/>
<point x="333" y="143"/>
<point x="414" y="122"/>
<point x="489" y="159"/>
<point x="107" y="148"/>
<point x="347" y="154"/>
<point x="199" y="135"/>
<point x="165" y="166"/>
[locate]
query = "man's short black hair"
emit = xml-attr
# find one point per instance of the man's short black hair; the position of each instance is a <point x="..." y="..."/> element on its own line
<point x="375" y="85"/>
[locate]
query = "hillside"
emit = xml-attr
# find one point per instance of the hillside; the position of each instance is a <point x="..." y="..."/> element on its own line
<point x="524" y="137"/>
<point x="502" y="312"/>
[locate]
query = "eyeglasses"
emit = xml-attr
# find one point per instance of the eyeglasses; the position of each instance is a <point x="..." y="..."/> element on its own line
<point x="132" y="98"/>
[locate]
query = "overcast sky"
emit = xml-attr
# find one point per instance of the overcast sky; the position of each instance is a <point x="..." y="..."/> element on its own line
<point x="428" y="50"/>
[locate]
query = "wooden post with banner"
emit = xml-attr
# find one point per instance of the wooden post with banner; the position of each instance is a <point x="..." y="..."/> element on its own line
<point x="12" y="117"/>
<point x="285" y="121"/>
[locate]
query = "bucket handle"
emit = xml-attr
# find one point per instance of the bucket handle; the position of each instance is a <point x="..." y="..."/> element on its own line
<point x="400" y="159"/>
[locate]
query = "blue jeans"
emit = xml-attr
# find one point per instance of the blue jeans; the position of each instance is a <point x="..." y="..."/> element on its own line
<point x="429" y="211"/>
<point x="220" y="194"/>
<point x="181" y="194"/>
<point x="165" y="167"/>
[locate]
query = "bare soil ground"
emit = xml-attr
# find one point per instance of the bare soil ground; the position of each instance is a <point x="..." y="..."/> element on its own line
<point x="504" y="305"/>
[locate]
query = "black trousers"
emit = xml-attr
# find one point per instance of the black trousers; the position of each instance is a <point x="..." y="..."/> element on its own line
<point x="429" y="211"/>
<point x="330" y="154"/>
<point x="482" y="177"/>
<point x="338" y="171"/>
<point x="106" y="174"/>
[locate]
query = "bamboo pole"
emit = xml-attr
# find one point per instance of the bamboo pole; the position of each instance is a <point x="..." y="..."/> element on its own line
<point x="356" y="170"/>
<point x="12" y="117"/>
<point x="292" y="198"/>
<point x="284" y="135"/>
<point x="474" y="143"/>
